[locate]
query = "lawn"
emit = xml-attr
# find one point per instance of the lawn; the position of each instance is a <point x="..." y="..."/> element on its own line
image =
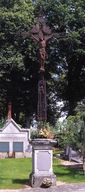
<point x="69" y="174"/>
<point x="14" y="173"/>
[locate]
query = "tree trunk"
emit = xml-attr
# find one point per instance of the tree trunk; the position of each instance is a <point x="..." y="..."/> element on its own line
<point x="84" y="163"/>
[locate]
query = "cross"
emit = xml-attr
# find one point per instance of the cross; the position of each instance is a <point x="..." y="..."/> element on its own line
<point x="42" y="33"/>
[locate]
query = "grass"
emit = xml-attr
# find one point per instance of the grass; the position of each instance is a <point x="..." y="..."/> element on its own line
<point x="68" y="174"/>
<point x="14" y="173"/>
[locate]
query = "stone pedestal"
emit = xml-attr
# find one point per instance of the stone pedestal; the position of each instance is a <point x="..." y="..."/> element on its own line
<point x="42" y="162"/>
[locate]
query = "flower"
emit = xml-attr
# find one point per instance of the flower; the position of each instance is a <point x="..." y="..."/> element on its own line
<point x="44" y="130"/>
<point x="45" y="133"/>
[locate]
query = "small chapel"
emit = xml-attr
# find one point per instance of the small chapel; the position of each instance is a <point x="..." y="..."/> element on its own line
<point x="14" y="140"/>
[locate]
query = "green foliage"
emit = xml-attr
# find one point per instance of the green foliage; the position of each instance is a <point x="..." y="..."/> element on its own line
<point x="15" y="16"/>
<point x="2" y="122"/>
<point x="66" y="55"/>
<point x="19" y="65"/>
<point x="44" y="130"/>
<point x="33" y="134"/>
<point x="73" y="133"/>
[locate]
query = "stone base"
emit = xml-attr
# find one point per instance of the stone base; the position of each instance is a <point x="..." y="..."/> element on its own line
<point x="37" y="180"/>
<point x="42" y="157"/>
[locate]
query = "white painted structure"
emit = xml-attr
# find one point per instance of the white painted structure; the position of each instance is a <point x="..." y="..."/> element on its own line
<point x="14" y="140"/>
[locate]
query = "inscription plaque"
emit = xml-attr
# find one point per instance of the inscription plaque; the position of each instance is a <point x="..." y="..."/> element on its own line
<point x="42" y="157"/>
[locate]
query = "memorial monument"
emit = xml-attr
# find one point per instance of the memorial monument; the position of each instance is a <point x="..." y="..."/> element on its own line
<point x="42" y="172"/>
<point x="42" y="34"/>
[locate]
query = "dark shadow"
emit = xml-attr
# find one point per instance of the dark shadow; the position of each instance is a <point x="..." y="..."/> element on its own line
<point x="70" y="170"/>
<point x="21" y="181"/>
<point x="75" y="166"/>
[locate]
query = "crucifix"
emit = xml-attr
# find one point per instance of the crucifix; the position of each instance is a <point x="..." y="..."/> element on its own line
<point x="41" y="33"/>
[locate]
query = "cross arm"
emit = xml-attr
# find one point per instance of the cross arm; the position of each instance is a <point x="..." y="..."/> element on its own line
<point x="60" y="35"/>
<point x="27" y="34"/>
<point x="23" y="34"/>
<point x="48" y="37"/>
<point x="35" y="37"/>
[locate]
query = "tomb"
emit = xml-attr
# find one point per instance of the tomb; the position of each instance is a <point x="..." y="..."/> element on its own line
<point x="14" y="140"/>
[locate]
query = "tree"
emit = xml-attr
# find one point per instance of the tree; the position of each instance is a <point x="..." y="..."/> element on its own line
<point x="70" y="129"/>
<point x="65" y="67"/>
<point x="82" y="131"/>
<point x="15" y="16"/>
<point x="67" y="54"/>
<point x="74" y="134"/>
<point x="81" y="107"/>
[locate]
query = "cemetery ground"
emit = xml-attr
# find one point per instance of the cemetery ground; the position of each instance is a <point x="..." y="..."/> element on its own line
<point x="14" y="173"/>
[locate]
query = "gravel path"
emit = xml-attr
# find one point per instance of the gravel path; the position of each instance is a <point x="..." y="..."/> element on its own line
<point x="60" y="188"/>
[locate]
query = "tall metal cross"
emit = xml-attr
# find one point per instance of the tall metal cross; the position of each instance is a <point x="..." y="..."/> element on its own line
<point x="42" y="34"/>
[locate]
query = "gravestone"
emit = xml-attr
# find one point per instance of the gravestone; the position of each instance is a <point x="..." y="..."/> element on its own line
<point x="73" y="155"/>
<point x="42" y="162"/>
